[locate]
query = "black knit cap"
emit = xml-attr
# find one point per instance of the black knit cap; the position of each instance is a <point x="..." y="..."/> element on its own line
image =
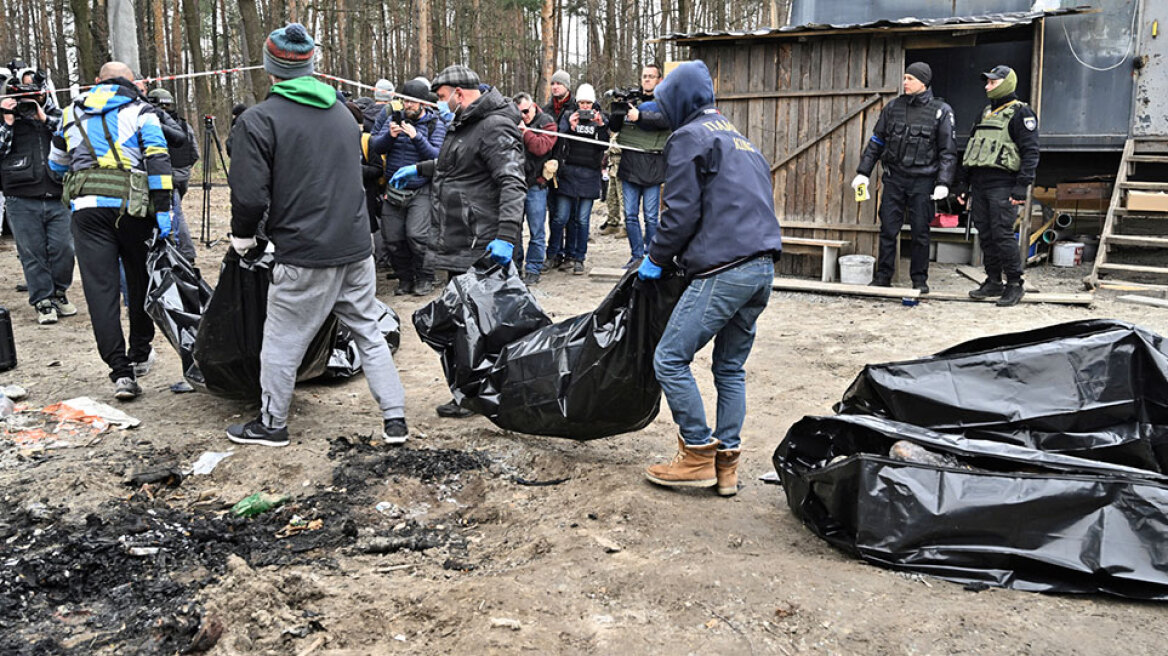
<point x="921" y="71"/>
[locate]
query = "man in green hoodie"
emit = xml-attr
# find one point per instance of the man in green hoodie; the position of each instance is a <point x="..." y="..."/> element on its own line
<point x="296" y="157"/>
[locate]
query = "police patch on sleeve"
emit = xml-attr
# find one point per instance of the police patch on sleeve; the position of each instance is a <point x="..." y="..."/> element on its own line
<point x="1030" y="122"/>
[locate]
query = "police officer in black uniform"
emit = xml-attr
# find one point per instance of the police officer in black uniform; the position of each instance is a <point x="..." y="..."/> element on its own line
<point x="998" y="167"/>
<point x="914" y="141"/>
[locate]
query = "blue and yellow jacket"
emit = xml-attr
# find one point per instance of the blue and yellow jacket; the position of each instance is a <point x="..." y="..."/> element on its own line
<point x="137" y="136"/>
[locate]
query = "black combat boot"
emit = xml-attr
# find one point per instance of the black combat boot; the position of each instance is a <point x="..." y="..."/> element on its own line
<point x="1012" y="295"/>
<point x="989" y="289"/>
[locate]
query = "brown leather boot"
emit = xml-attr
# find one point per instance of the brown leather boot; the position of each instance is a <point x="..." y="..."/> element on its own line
<point x="693" y="466"/>
<point x="726" y="465"/>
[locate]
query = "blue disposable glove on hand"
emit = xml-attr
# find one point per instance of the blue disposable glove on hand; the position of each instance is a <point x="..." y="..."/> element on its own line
<point x="403" y="176"/>
<point x="163" y="220"/>
<point x="500" y="251"/>
<point x="444" y="111"/>
<point x="648" y="270"/>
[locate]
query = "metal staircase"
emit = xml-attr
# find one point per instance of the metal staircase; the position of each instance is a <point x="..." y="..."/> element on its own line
<point x="1133" y="245"/>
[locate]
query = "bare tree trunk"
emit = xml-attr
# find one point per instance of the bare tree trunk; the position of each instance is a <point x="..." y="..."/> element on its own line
<point x="252" y="43"/>
<point x="547" y="28"/>
<point x="425" y="47"/>
<point x="86" y="57"/>
<point x="195" y="47"/>
<point x="123" y="33"/>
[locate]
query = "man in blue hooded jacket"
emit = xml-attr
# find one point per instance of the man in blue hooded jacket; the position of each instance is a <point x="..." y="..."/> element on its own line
<point x="719" y="227"/>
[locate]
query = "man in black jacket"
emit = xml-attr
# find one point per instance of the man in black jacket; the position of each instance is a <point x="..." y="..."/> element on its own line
<point x="184" y="152"/>
<point x="39" y="221"/>
<point x="914" y="142"/>
<point x="999" y="166"/>
<point x="478" y="187"/>
<point x="297" y="158"/>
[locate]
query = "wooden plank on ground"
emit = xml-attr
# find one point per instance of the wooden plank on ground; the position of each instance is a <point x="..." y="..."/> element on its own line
<point x="977" y="275"/>
<point x="1062" y="299"/>
<point x="1136" y="299"/>
<point x="820" y="287"/>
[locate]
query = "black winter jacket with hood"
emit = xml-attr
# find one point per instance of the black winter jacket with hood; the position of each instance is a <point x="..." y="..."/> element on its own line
<point x="478" y="187"/>
<point x="297" y="155"/>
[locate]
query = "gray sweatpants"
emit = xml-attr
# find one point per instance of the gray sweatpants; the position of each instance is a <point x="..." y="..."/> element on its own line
<point x="299" y="301"/>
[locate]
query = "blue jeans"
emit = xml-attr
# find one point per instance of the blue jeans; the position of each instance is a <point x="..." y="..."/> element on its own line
<point x="576" y="215"/>
<point x="723" y="307"/>
<point x="534" y="208"/>
<point x="41" y="227"/>
<point x="634" y="196"/>
<point x="560" y="240"/>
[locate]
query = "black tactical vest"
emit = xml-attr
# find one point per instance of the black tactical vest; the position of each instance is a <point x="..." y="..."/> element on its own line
<point x="912" y="133"/>
<point x="24" y="171"/>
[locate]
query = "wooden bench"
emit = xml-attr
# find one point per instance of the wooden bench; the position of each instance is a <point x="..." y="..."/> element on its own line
<point x="830" y="249"/>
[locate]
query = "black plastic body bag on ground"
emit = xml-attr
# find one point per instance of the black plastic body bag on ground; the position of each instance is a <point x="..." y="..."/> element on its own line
<point x="588" y="377"/>
<point x="1043" y="469"/>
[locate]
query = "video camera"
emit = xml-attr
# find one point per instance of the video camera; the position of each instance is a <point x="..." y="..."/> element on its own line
<point x="623" y="99"/>
<point x="29" y="101"/>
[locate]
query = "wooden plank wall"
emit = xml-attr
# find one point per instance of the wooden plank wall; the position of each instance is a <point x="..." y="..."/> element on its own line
<point x="781" y="93"/>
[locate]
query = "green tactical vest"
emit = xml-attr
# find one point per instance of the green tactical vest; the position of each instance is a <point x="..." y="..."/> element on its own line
<point x="990" y="145"/>
<point x="651" y="140"/>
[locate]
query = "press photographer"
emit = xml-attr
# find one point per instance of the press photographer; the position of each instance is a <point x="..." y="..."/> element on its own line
<point x="40" y="223"/>
<point x="642" y="126"/>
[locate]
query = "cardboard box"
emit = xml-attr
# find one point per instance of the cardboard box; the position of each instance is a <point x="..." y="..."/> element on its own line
<point x="1147" y="201"/>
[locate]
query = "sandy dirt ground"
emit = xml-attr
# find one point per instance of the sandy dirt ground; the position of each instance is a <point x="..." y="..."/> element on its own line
<point x="440" y="547"/>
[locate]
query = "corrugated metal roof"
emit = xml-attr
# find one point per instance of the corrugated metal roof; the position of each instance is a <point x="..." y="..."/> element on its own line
<point x="908" y="24"/>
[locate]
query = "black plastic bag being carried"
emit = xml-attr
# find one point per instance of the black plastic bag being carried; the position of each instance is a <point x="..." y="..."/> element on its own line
<point x="175" y="297"/>
<point x="588" y="377"/>
<point x="345" y="360"/>
<point x="1036" y="465"/>
<point x="477" y="314"/>
<point x="227" y="348"/>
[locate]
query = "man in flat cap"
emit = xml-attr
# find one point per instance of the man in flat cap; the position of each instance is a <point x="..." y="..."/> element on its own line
<point x="477" y="182"/>
<point x="914" y="142"/>
<point x="999" y="166"/>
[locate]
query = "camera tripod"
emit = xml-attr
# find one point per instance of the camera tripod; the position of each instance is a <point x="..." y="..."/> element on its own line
<point x="210" y="137"/>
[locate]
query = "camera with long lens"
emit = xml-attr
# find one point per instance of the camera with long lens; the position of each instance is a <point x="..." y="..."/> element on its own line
<point x="624" y="98"/>
<point x="30" y="98"/>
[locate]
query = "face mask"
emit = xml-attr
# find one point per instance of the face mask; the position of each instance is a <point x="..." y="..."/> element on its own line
<point x="444" y="111"/>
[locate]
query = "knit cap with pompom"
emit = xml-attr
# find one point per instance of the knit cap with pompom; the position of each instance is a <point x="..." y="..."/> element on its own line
<point x="289" y="52"/>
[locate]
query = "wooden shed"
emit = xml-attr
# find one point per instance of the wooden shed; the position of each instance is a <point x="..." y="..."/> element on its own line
<point x="809" y="96"/>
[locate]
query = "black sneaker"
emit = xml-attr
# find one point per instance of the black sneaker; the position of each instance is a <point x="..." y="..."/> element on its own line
<point x="531" y="278"/>
<point x="127" y="389"/>
<point x="1012" y="295"/>
<point x="423" y="288"/>
<point x="404" y="287"/>
<point x="552" y="263"/>
<point x="452" y="410"/>
<point x="395" y="431"/>
<point x="922" y="287"/>
<point x="880" y="282"/>
<point x="988" y="289"/>
<point x="255" y="432"/>
<point x="577" y="267"/>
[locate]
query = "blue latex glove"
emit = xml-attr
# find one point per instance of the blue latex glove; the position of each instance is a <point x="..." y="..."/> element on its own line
<point x="648" y="270"/>
<point x="500" y="251"/>
<point x="444" y="111"/>
<point x="403" y="175"/>
<point x="163" y="220"/>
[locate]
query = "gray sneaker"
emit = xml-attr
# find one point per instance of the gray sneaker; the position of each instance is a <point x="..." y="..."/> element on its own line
<point x="143" y="368"/>
<point x="46" y="312"/>
<point x="64" y="307"/>
<point x="127" y="389"/>
<point x="395" y="431"/>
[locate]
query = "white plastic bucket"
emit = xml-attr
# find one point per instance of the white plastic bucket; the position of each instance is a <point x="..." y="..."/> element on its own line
<point x="856" y="269"/>
<point x="1067" y="254"/>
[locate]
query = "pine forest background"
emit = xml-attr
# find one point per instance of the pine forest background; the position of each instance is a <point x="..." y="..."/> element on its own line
<point x="513" y="44"/>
